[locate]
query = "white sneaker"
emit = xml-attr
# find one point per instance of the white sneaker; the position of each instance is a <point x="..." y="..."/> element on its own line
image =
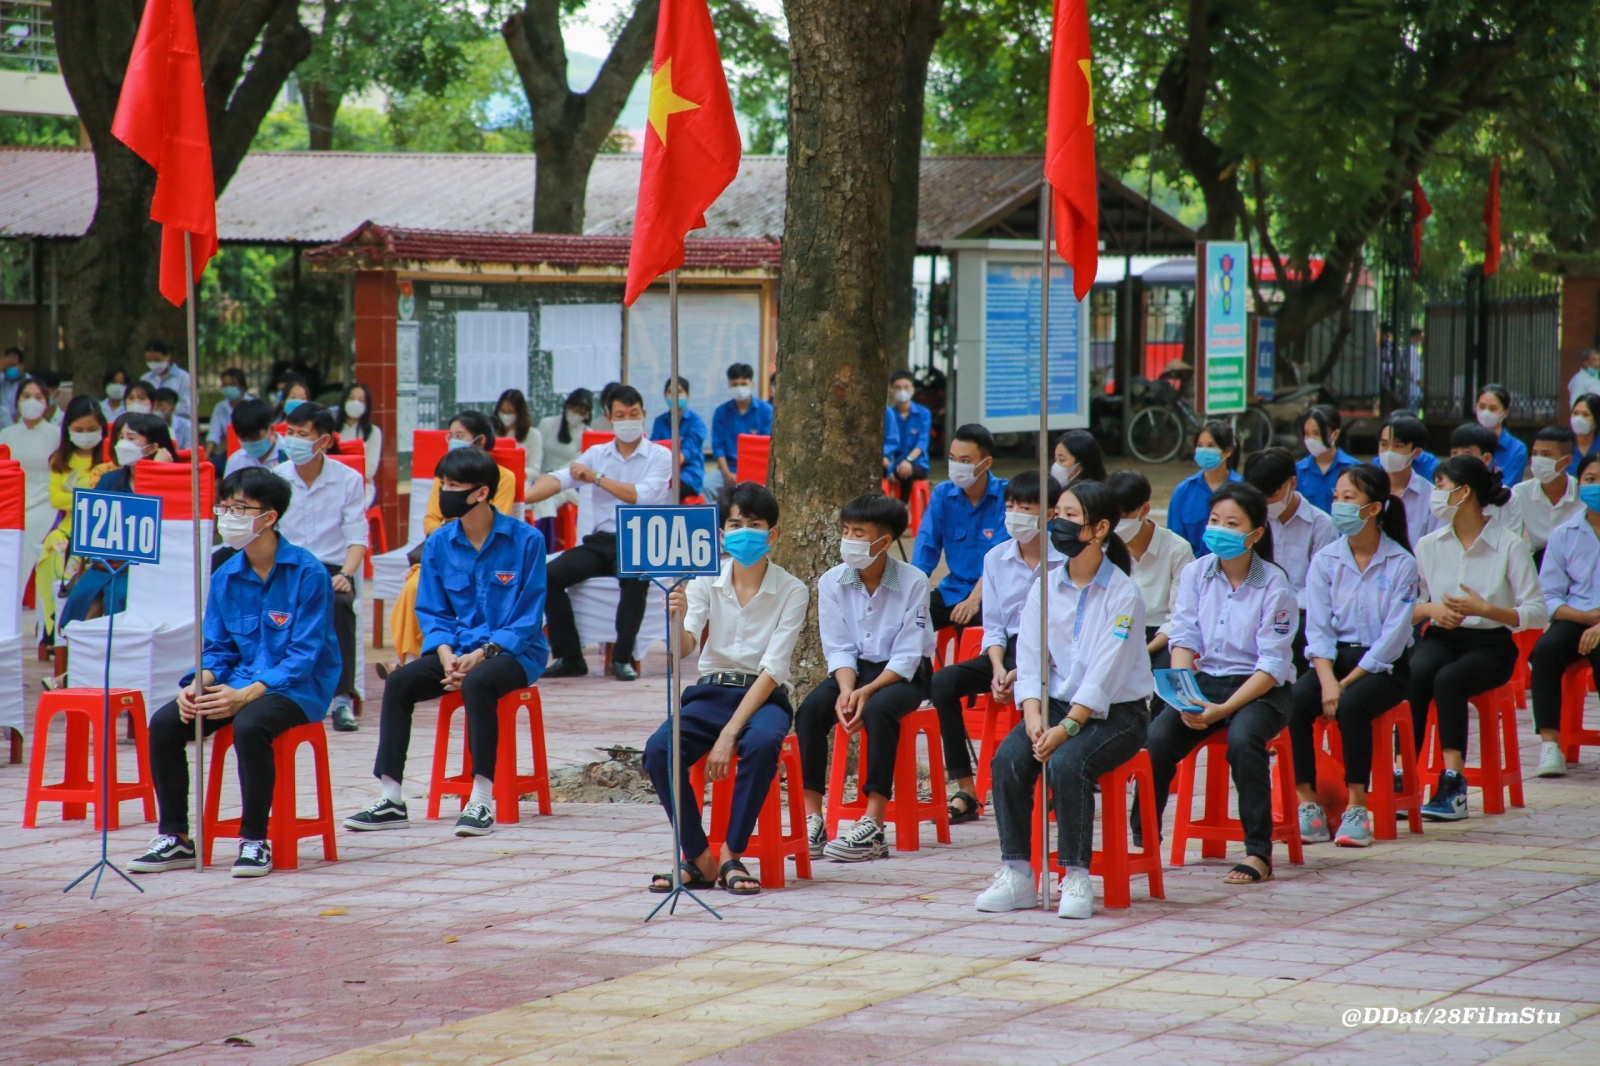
<point x="1552" y="763"/>
<point x="1011" y="890"/>
<point x="816" y="834"/>
<point x="1077" y="896"/>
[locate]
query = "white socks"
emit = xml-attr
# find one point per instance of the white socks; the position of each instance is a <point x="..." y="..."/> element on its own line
<point x="391" y="789"/>
<point x="482" y="790"/>
<point x="1021" y="866"/>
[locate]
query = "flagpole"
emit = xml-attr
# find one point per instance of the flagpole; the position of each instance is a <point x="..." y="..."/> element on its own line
<point x="674" y="620"/>
<point x="1044" y="536"/>
<point x="197" y="819"/>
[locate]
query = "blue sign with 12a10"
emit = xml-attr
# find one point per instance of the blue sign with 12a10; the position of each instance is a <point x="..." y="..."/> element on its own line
<point x="667" y="542"/>
<point x="117" y="526"/>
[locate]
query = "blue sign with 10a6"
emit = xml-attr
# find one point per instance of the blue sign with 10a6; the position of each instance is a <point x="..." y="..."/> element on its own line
<point x="667" y="542"/>
<point x="117" y="526"/>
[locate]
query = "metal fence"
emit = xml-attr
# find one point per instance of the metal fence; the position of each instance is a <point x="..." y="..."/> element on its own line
<point x="1478" y="331"/>
<point x="27" y="37"/>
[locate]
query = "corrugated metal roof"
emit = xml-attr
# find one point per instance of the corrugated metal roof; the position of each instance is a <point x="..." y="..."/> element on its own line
<point x="46" y="192"/>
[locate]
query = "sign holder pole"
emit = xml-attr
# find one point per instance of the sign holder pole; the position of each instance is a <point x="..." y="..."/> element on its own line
<point x="1044" y="534"/>
<point x="197" y="819"/>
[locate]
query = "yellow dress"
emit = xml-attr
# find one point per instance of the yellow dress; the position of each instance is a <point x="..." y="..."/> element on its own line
<point x="55" y="565"/>
<point x="404" y="629"/>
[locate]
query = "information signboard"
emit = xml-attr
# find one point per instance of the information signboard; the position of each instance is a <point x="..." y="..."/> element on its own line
<point x="667" y="542"/>
<point x="1266" y="355"/>
<point x="1011" y="321"/>
<point x="1223" y="281"/>
<point x="120" y="526"/>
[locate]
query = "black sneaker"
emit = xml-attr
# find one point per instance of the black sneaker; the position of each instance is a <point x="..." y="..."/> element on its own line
<point x="861" y="842"/>
<point x="566" y="668"/>
<point x="165" y="853"/>
<point x="475" y="821"/>
<point x="255" y="859"/>
<point x="344" y="716"/>
<point x="380" y="814"/>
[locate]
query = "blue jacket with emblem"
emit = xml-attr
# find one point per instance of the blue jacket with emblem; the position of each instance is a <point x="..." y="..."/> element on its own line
<point x="467" y="598"/>
<point x="963" y="533"/>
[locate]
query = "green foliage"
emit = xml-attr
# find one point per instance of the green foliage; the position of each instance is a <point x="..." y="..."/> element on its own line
<point x="481" y="111"/>
<point x="53" y="130"/>
<point x="248" y="313"/>
<point x="755" y="56"/>
<point x="399" y="45"/>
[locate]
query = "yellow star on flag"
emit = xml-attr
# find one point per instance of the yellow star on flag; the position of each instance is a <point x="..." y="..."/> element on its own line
<point x="1083" y="64"/>
<point x="664" y="102"/>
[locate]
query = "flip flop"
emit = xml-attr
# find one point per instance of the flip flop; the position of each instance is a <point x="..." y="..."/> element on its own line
<point x="690" y="874"/>
<point x="737" y="880"/>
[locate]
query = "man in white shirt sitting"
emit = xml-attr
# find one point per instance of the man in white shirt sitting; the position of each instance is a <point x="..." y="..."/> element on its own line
<point x="329" y="520"/>
<point x="1549" y="498"/>
<point x="627" y="470"/>
<point x="258" y="443"/>
<point x="751" y="615"/>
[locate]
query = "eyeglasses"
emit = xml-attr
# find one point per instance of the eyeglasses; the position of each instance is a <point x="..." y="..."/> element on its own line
<point x="235" y="509"/>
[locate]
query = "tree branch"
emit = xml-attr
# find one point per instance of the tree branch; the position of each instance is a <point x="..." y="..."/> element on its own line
<point x="284" y="44"/>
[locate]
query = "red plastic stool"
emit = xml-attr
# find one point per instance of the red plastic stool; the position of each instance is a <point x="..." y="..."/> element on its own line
<point x="79" y="788"/>
<point x="1522" y="676"/>
<point x="377" y="536"/>
<point x="1499" y="769"/>
<point x="508" y="784"/>
<point x="945" y="647"/>
<point x="906" y="811"/>
<point x="1575" y="691"/>
<point x="920" y="494"/>
<point x="285" y="827"/>
<point x="1215" y="828"/>
<point x="770" y="844"/>
<point x="1390" y="729"/>
<point x="1116" y="865"/>
<point x="566" y="526"/>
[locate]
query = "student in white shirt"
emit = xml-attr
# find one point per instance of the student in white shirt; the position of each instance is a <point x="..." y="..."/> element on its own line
<point x="258" y="442"/>
<point x="630" y="469"/>
<point x="1234" y="626"/>
<point x="165" y="373"/>
<point x="1299" y="530"/>
<point x="1009" y="569"/>
<point x="1403" y="455"/>
<point x="751" y="615"/>
<point x="1159" y="556"/>
<point x="561" y="437"/>
<point x="1477" y="584"/>
<point x="1586" y="381"/>
<point x="1585" y="418"/>
<point x="1570" y="580"/>
<point x="165" y="403"/>
<point x="114" y="382"/>
<point x="1359" y="594"/>
<point x="1088" y="717"/>
<point x="234" y="389"/>
<point x="1550" y="497"/>
<point x="872" y="616"/>
<point x="329" y="520"/>
<point x="355" y="415"/>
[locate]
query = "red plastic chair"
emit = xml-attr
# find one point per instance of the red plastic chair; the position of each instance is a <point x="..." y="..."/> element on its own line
<point x="755" y="453"/>
<point x="509" y="785"/>
<point x="906" y="811"/>
<point x="1499" y="769"/>
<point x="79" y="788"/>
<point x="1214" y="829"/>
<point x="1116" y="864"/>
<point x="566" y="526"/>
<point x="285" y="827"/>
<point x="1390" y="730"/>
<point x="1574" y="694"/>
<point x="987" y="721"/>
<point x="377" y="537"/>
<point x="1522" y="676"/>
<point x="770" y="844"/>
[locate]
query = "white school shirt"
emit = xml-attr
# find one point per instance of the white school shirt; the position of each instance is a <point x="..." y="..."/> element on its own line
<point x="1570" y="574"/>
<point x="890" y="626"/>
<point x="327" y="516"/>
<point x="1498" y="566"/>
<point x="648" y="470"/>
<point x="1583" y="382"/>
<point x="243" y="460"/>
<point x="1236" y="631"/>
<point x="759" y="636"/>
<point x="175" y="378"/>
<point x="1294" y="542"/>
<point x="1419" y="519"/>
<point x="1532" y="516"/>
<point x="1092" y="659"/>
<point x="1156" y="572"/>
<point x="1372" y="608"/>
<point x="1006" y="581"/>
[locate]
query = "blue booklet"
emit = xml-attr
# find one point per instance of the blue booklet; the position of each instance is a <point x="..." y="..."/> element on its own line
<point x="1181" y="689"/>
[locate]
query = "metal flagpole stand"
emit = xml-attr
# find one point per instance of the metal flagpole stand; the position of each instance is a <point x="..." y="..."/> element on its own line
<point x="197" y="818"/>
<point x="1044" y="535"/>
<point x="675" y="636"/>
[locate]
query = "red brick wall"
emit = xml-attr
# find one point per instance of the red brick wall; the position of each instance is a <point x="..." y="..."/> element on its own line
<point x="376" y="298"/>
<point x="1580" y="327"/>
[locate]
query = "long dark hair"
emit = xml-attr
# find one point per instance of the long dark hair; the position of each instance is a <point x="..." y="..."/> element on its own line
<point x="1082" y="446"/>
<point x="364" y="423"/>
<point x="576" y="398"/>
<point x="1373" y="483"/>
<point x="1099" y="504"/>
<point x="1222" y="433"/>
<point x="1469" y="470"/>
<point x="519" y="407"/>
<point x="1254" y="506"/>
<point x="78" y="407"/>
<point x="477" y="423"/>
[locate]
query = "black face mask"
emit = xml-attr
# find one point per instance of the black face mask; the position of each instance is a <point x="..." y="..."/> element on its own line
<point x="1064" y="537"/>
<point x="453" y="503"/>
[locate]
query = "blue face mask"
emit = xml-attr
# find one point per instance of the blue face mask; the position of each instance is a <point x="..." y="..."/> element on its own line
<point x="298" y="450"/>
<point x="1225" y="543"/>
<point x="452" y="443"/>
<point x="258" y="449"/>
<point x="290" y="405"/>
<point x="1208" y="458"/>
<point x="747" y="546"/>
<point x="13" y="373"/>
<point x="230" y="393"/>
<point x="1590" y="495"/>
<point x="1347" y="518"/>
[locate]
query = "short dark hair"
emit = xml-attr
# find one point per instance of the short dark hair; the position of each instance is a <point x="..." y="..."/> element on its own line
<point x="1269" y="470"/>
<point x="1472" y="435"/>
<point x="251" y="418"/>
<point x="470" y="466"/>
<point x="1254" y="505"/>
<point x="1499" y="392"/>
<point x="902" y="375"/>
<point x="477" y="423"/>
<point x="741" y="372"/>
<point x="318" y="417"/>
<point x="259" y="484"/>
<point x="156" y="344"/>
<point x="1222" y="433"/>
<point x="111" y="375"/>
<point x="152" y="428"/>
<point x="626" y="395"/>
<point x="1327" y="421"/>
<point x="885" y="512"/>
<point x="1404" y="429"/>
<point x="142" y="387"/>
<point x="48" y="378"/>
<point x="683" y="385"/>
<point x="753" y="500"/>
<point x="1584" y="463"/>
<point x="1132" y="489"/>
<point x="1561" y="435"/>
<point x="14" y="350"/>
<point x="978" y="434"/>
<point x="162" y="395"/>
<point x="1024" y="488"/>
<point x="233" y="373"/>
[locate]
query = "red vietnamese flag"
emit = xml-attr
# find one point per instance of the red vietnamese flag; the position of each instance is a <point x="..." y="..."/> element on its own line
<point x="1420" y="210"/>
<point x="161" y="115"/>
<point x="1491" y="220"/>
<point x="691" y="148"/>
<point x="1069" y="145"/>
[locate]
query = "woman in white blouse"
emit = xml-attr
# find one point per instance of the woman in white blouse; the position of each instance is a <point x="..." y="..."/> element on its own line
<point x="33" y="439"/>
<point x="562" y="439"/>
<point x="1476" y="584"/>
<point x="512" y="420"/>
<point x="355" y="411"/>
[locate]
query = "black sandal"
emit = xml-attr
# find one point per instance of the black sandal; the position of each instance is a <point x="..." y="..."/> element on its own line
<point x="736" y="880"/>
<point x="661" y="884"/>
<point x="1245" y="870"/>
<point x="969" y="810"/>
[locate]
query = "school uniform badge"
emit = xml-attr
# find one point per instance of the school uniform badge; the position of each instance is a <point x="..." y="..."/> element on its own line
<point x="505" y="577"/>
<point x="1122" y="626"/>
<point x="988" y="534"/>
<point x="279" y="618"/>
<point x="1282" y="622"/>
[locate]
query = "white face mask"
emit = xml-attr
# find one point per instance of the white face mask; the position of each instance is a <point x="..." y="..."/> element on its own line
<point x="1439" y="503"/>
<point x="508" y="419"/>
<point x="740" y="392"/>
<point x="85" y="440"/>
<point x="1129" y="528"/>
<point x="156" y="365"/>
<point x="1063" y="474"/>
<point x="1275" y="510"/>
<point x="31" y="409"/>
<point x="1582" y="426"/>
<point x="856" y="553"/>
<point x="116" y="392"/>
<point x="139" y="407"/>
<point x="628" y="432"/>
<point x="965" y="475"/>
<point x="1315" y="446"/>
<point x="902" y="395"/>
<point x="1393" y="461"/>
<point x="237" y="530"/>
<point x="1490" y="419"/>
<point x="575" y="421"/>
<point x="1545" y="468"/>
<point x="354" y="408"/>
<point x="1022" y="526"/>
<point x="128" y="452"/>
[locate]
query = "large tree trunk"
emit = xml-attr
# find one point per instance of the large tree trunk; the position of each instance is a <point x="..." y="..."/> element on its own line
<point x="922" y="30"/>
<point x="833" y="323"/>
<point x="322" y="108"/>
<point x="570" y="128"/>
<point x="1182" y="90"/>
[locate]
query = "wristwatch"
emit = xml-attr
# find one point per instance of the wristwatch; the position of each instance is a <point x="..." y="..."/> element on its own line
<point x="1071" y="726"/>
<point x="490" y="650"/>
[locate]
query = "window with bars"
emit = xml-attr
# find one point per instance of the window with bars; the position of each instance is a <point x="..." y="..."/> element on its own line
<point x="27" y="37"/>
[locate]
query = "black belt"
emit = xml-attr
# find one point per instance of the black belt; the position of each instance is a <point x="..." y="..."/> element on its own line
<point x="729" y="679"/>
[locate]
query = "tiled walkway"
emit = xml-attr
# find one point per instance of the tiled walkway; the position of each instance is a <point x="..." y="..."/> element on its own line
<point x="527" y="946"/>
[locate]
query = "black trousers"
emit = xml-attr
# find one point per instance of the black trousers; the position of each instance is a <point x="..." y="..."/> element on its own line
<point x="1365" y="700"/>
<point x="1450" y="665"/>
<point x="1297" y="649"/>
<point x="1249" y="729"/>
<point x="813" y="727"/>
<point x="344" y="627"/>
<point x="595" y="557"/>
<point x="254" y="729"/>
<point x="1556" y="650"/>
<point x="970" y="677"/>
<point x="901" y="485"/>
<point x="422" y="679"/>
<point x="939" y="614"/>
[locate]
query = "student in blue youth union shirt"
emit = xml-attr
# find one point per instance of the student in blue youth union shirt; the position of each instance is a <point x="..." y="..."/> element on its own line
<point x="744" y="412"/>
<point x="1216" y="454"/>
<point x="691" y="439"/>
<point x="1510" y="454"/>
<point x="1319" y="471"/>
<point x="913" y="432"/>
<point x="272" y="662"/>
<point x="966" y="517"/>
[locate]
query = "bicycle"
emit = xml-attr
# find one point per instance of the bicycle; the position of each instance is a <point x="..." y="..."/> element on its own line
<point x="1158" y="430"/>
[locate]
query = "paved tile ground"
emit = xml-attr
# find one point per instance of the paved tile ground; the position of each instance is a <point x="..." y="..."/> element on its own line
<point x="528" y="946"/>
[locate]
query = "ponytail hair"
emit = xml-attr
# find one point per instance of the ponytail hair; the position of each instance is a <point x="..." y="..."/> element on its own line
<point x="1222" y="433"/>
<point x="1100" y="504"/>
<point x="1373" y="483"/>
<point x="1254" y="505"/>
<point x="1469" y="470"/>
